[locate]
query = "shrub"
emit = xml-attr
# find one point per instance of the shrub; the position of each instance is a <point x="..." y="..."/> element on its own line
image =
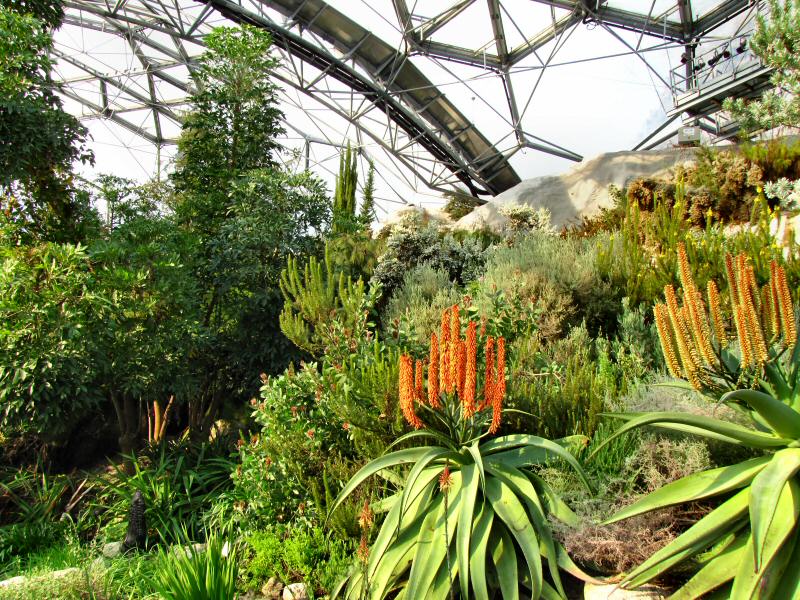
<point x="542" y="282"/>
<point x="294" y="553"/>
<point x="179" y="484"/>
<point x="642" y="257"/>
<point x="414" y="310"/>
<point x="523" y="218"/>
<point x="476" y="495"/>
<point x="564" y="385"/>
<point x="411" y="243"/>
<point x="785" y="192"/>
<point x="459" y="205"/>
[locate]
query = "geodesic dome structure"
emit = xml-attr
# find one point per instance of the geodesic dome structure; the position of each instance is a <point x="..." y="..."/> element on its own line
<point x="468" y="95"/>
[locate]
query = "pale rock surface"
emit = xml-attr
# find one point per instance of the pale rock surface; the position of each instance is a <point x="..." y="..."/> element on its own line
<point x="427" y="215"/>
<point x="112" y="550"/>
<point x="272" y="589"/>
<point x="21" y="579"/>
<point x="295" y="591"/>
<point x="593" y="591"/>
<point x="581" y="191"/>
<point x="13" y="581"/>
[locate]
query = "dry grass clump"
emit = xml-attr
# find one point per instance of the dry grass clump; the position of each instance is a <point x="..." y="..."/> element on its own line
<point x="620" y="546"/>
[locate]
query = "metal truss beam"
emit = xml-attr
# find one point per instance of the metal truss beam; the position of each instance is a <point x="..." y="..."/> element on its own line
<point x="471" y="151"/>
<point x="624" y="19"/>
<point x="379" y="90"/>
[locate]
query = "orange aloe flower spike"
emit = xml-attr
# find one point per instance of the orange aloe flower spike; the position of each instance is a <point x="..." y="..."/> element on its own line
<point x="444" y="350"/>
<point x="488" y="381"/>
<point x="499" y="391"/>
<point x="470" y="370"/>
<point x="407" y="391"/>
<point x="433" y="373"/>
<point x="418" y="381"/>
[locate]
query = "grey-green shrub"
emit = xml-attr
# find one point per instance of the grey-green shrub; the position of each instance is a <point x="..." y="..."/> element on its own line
<point x="559" y="276"/>
<point x="415" y="309"/>
<point x="413" y="242"/>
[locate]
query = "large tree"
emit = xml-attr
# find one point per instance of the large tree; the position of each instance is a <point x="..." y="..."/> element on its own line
<point x="248" y="214"/>
<point x="39" y="141"/>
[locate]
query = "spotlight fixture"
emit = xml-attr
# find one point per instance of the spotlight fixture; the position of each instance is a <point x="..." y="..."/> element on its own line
<point x="742" y="45"/>
<point x="684" y="58"/>
<point x="714" y="59"/>
<point x="726" y="54"/>
<point x="700" y="65"/>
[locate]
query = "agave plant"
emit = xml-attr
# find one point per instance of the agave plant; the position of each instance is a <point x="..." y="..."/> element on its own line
<point x="749" y="543"/>
<point x="468" y="517"/>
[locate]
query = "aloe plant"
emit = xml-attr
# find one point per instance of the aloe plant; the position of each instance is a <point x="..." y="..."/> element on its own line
<point x="749" y="543"/>
<point x="468" y="517"/>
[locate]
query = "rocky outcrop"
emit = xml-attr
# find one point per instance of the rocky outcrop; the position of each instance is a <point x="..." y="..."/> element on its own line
<point x="581" y="191"/>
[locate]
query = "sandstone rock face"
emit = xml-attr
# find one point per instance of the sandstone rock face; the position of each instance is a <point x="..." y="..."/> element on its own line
<point x="581" y="191"/>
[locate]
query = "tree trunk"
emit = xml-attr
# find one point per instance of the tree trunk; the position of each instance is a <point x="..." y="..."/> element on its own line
<point x="129" y="426"/>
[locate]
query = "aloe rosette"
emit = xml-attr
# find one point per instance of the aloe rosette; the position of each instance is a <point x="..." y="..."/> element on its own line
<point x="748" y="545"/>
<point x="468" y="517"/>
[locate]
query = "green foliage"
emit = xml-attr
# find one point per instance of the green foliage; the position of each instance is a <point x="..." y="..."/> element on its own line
<point x="344" y="195"/>
<point x="411" y="243"/>
<point x="636" y="348"/>
<point x="233" y="125"/>
<point x="775" y="42"/>
<point x="363" y="394"/>
<point x="354" y="254"/>
<point x="187" y="574"/>
<point x="563" y="385"/>
<point x="300" y="439"/>
<point x="179" y="485"/>
<point x="747" y="542"/>
<point x="523" y="218"/>
<point x="367" y="214"/>
<point x="324" y="313"/>
<point x="489" y="513"/>
<point x="729" y="179"/>
<point x="459" y="205"/>
<point x="641" y="258"/>
<point x="41" y="142"/>
<point x="414" y="311"/>
<point x="542" y="282"/>
<point x="247" y="215"/>
<point x="46" y="303"/>
<point x="296" y="553"/>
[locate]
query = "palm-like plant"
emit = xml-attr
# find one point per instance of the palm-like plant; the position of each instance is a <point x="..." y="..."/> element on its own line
<point x="468" y="516"/>
<point x="746" y="545"/>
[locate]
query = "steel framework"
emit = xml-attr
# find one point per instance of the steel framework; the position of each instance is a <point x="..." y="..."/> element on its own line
<point x="365" y="70"/>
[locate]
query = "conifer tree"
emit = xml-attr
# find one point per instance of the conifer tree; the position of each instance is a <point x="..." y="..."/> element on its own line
<point x="368" y="201"/>
<point x="344" y="197"/>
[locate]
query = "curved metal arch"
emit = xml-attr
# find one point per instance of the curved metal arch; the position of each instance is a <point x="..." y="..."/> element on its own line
<point x="412" y="119"/>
